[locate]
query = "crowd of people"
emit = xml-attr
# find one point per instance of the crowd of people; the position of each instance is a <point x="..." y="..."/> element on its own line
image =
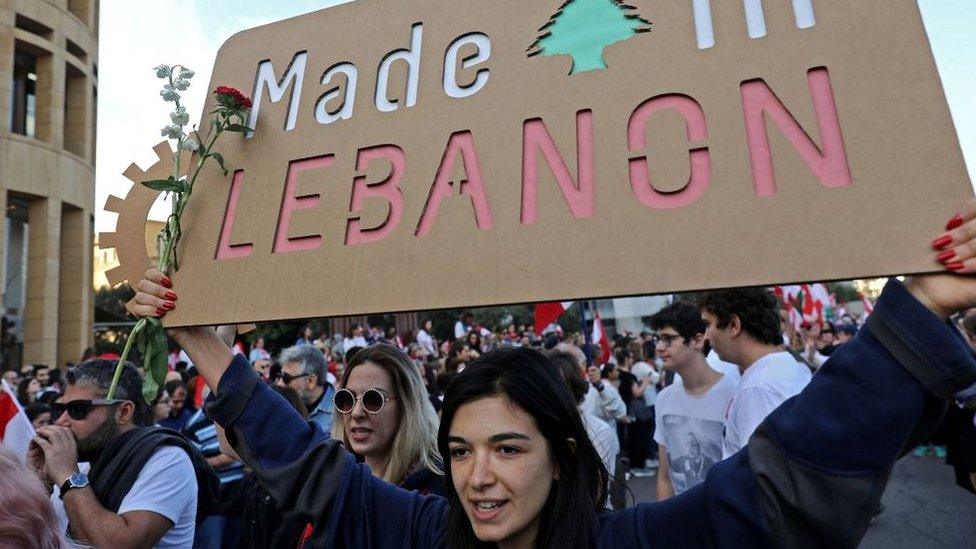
<point x="215" y="461"/>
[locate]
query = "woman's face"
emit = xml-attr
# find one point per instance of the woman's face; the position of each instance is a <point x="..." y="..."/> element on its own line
<point x="368" y="434"/>
<point x="501" y="469"/>
<point x="162" y="408"/>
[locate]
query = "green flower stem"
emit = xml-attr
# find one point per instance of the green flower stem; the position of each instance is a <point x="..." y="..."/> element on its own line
<point x="125" y="355"/>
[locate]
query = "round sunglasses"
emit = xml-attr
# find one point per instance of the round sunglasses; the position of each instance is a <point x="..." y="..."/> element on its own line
<point x="79" y="409"/>
<point x="373" y="401"/>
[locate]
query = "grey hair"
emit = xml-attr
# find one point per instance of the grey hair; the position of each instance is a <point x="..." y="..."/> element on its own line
<point x="98" y="374"/>
<point x="311" y="359"/>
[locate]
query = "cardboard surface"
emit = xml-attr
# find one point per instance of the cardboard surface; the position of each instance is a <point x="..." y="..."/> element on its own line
<point x="869" y="209"/>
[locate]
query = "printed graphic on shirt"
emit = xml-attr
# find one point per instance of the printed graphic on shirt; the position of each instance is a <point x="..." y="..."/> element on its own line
<point x="694" y="445"/>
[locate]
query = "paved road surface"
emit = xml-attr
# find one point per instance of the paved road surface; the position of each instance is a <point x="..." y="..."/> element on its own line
<point x="923" y="508"/>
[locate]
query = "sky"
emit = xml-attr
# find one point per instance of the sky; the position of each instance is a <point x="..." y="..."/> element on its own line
<point x="136" y="35"/>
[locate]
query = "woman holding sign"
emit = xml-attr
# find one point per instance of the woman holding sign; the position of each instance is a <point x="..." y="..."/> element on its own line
<point x="521" y="471"/>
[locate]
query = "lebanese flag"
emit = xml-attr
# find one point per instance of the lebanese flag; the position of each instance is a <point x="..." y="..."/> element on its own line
<point x="16" y="430"/>
<point x="547" y="313"/>
<point x="599" y="337"/>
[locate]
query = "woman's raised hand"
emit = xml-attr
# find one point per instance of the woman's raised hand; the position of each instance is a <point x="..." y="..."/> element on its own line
<point x="154" y="296"/>
<point x="955" y="249"/>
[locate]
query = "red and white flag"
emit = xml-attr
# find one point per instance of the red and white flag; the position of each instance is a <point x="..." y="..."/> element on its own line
<point x="16" y="430"/>
<point x="547" y="313"/>
<point x="600" y="339"/>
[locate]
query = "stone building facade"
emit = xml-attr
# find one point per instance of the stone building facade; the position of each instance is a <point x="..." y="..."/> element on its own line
<point x="48" y="96"/>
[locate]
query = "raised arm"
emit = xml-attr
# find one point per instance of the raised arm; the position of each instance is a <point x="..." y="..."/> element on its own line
<point x="311" y="476"/>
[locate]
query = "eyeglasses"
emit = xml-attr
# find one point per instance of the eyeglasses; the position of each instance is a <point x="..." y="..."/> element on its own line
<point x="667" y="339"/>
<point x="373" y="401"/>
<point x="288" y="378"/>
<point x="79" y="409"/>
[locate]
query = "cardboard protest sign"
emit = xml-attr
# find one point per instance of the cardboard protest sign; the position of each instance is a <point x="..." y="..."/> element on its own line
<point x="432" y="153"/>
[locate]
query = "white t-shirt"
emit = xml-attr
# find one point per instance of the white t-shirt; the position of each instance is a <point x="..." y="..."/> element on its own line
<point x="460" y="330"/>
<point x="350" y="342"/>
<point x="691" y="427"/>
<point x="167" y="485"/>
<point x="643" y="370"/>
<point x="765" y="385"/>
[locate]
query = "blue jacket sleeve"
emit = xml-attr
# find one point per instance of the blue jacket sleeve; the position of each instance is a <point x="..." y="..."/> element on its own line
<point x="313" y="478"/>
<point x="814" y="471"/>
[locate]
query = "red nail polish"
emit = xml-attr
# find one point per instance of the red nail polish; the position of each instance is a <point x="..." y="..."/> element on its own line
<point x="946" y="256"/>
<point x="168" y="305"/>
<point x="957" y="266"/>
<point x="160" y="312"/>
<point x="942" y="242"/>
<point x="955" y="222"/>
<point x="166" y="282"/>
<point x="171" y="295"/>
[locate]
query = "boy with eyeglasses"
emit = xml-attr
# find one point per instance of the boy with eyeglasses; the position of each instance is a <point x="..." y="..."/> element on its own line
<point x="690" y="413"/>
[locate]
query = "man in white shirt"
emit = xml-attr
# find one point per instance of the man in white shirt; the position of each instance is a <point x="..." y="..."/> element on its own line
<point x="463" y="325"/>
<point x="142" y="487"/>
<point x="743" y="326"/>
<point x="602" y="399"/>
<point x="690" y="413"/>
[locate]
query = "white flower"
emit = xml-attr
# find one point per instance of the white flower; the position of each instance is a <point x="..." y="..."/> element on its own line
<point x="169" y="94"/>
<point x="186" y="74"/>
<point x="189" y="144"/>
<point x="181" y="84"/>
<point x="163" y="71"/>
<point x="180" y="117"/>
<point x="172" y="131"/>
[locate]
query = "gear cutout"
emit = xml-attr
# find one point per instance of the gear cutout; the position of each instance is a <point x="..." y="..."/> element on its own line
<point x="129" y="237"/>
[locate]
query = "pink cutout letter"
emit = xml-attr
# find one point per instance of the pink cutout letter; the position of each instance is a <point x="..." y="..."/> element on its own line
<point x="696" y="129"/>
<point x="830" y="166"/>
<point x="473" y="186"/>
<point x="388" y="189"/>
<point x="290" y="203"/>
<point x="536" y="138"/>
<point x="226" y="250"/>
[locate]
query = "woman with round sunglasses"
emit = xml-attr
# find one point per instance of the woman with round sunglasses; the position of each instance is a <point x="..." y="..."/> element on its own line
<point x="387" y="420"/>
<point x="522" y="472"/>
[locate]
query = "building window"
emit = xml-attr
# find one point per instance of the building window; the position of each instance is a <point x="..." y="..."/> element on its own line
<point x="80" y="9"/>
<point x="75" y="110"/>
<point x="24" y="104"/>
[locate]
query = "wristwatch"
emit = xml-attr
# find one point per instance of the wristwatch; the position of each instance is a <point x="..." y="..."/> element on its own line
<point x="76" y="480"/>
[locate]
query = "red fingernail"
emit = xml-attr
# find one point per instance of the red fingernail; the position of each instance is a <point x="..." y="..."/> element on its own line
<point x="160" y="312"/>
<point x="946" y="256"/>
<point x="171" y="296"/>
<point x="168" y="305"/>
<point x="957" y="266"/>
<point x="942" y="242"/>
<point x="166" y="282"/>
<point x="954" y="223"/>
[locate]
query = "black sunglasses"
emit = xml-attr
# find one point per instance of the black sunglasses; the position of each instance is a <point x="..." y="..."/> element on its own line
<point x="373" y="401"/>
<point x="288" y="378"/>
<point x="79" y="409"/>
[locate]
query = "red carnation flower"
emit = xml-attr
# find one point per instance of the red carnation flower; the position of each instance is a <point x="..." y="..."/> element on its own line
<point x="232" y="97"/>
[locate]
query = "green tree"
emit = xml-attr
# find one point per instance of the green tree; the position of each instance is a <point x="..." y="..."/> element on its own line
<point x="584" y="28"/>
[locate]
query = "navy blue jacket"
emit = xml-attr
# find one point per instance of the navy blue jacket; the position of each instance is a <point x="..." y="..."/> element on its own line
<point x="812" y="474"/>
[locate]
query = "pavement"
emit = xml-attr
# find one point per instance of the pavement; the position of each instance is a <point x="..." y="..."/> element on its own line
<point x="923" y="507"/>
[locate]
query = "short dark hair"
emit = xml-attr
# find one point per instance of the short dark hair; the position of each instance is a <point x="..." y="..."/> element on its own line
<point x="98" y="373"/>
<point x="757" y="309"/>
<point x="568" y="368"/>
<point x="683" y="316"/>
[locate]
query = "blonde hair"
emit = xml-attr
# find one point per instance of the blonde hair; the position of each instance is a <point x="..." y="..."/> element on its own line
<point x="26" y="517"/>
<point x="415" y="442"/>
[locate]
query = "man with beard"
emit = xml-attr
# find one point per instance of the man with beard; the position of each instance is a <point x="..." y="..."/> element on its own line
<point x="304" y="369"/>
<point x="142" y="487"/>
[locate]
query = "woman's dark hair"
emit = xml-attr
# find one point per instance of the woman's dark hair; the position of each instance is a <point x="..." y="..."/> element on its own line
<point x="23" y="395"/>
<point x="570" y="372"/>
<point x="529" y="381"/>
<point x="757" y="309"/>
